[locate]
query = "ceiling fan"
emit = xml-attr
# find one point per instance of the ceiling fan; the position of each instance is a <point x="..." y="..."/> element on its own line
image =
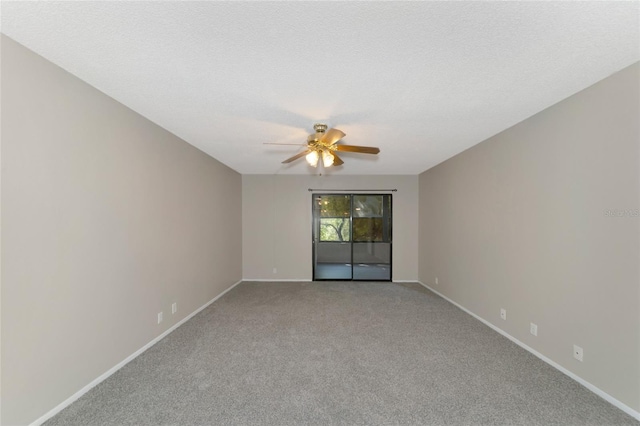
<point x="323" y="144"/>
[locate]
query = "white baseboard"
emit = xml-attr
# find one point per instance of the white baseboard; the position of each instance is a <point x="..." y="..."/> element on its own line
<point x="555" y="365"/>
<point x="261" y="280"/>
<point x="122" y="363"/>
<point x="306" y="280"/>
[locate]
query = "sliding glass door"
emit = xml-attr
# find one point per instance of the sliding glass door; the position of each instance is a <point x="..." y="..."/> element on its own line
<point x="371" y="246"/>
<point x="352" y="237"/>
<point x="332" y="237"/>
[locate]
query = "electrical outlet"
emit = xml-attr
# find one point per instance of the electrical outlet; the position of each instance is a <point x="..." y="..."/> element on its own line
<point x="503" y="314"/>
<point x="174" y="307"/>
<point x="533" y="329"/>
<point x="436" y="280"/>
<point x="159" y="317"/>
<point x="275" y="270"/>
<point x="578" y="352"/>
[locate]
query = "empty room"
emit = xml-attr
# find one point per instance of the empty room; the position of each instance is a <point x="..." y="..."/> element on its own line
<point x="319" y="213"/>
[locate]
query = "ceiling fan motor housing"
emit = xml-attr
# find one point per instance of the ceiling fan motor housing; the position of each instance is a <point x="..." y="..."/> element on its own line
<point x="314" y="138"/>
<point x="320" y="127"/>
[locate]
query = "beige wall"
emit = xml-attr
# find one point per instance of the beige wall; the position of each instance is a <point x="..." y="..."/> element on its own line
<point x="276" y="223"/>
<point x="518" y="222"/>
<point x="107" y="219"/>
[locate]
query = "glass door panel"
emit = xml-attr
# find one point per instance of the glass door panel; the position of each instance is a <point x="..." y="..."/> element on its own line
<point x="332" y="237"/>
<point x="372" y="237"/>
<point x="368" y="205"/>
<point x="371" y="261"/>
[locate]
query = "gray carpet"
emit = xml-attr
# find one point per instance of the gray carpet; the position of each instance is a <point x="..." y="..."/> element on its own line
<point x="346" y="353"/>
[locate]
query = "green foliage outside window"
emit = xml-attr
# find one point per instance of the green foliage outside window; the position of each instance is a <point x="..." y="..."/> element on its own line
<point x="334" y="229"/>
<point x="367" y="229"/>
<point x="334" y="206"/>
<point x="335" y="211"/>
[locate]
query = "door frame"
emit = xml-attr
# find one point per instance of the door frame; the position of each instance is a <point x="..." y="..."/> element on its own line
<point x="315" y="224"/>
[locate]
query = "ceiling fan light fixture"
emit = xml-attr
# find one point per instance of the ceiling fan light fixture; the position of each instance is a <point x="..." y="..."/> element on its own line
<point x="325" y="144"/>
<point x="312" y="158"/>
<point x="327" y="158"/>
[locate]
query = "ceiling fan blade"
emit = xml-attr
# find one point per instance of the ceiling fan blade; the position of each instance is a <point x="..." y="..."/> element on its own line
<point x="354" y="148"/>
<point x="337" y="161"/>
<point x="295" y="157"/>
<point x="331" y="136"/>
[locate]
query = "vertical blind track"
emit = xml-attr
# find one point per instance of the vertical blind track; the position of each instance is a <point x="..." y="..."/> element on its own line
<point x="353" y="190"/>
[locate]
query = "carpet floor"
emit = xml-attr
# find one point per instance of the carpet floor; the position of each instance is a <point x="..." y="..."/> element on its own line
<point x="337" y="353"/>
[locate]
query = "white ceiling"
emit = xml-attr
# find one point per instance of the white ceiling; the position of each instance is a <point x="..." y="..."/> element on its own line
<point x="421" y="80"/>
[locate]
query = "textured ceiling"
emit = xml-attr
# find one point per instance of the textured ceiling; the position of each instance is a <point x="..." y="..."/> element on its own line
<point x="421" y="80"/>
